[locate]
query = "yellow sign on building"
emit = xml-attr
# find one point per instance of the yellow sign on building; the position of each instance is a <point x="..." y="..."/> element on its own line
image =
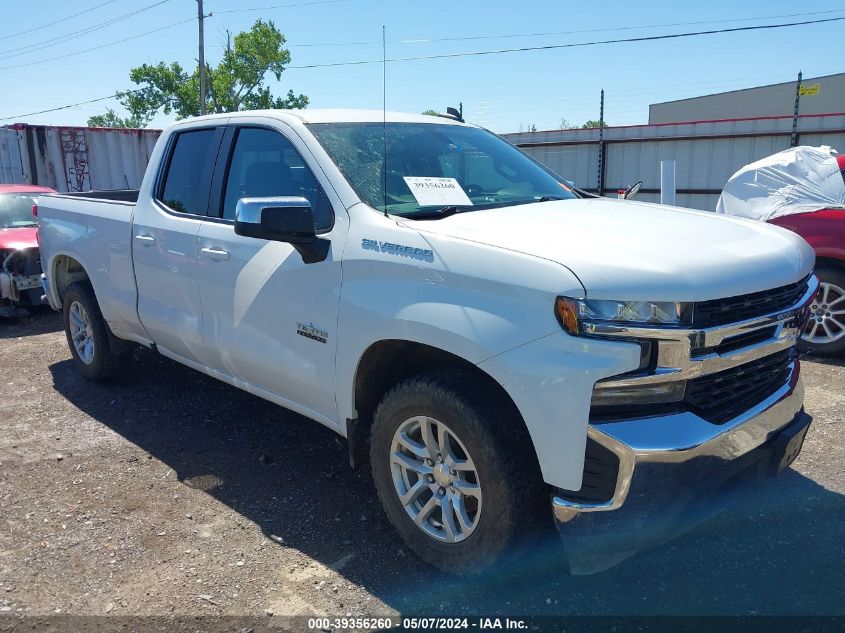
<point x="808" y="91"/>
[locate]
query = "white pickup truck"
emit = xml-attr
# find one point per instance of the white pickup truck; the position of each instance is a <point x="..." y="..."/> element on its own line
<point x="498" y="346"/>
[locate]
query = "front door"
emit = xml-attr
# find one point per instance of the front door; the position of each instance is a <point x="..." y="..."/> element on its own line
<point x="268" y="318"/>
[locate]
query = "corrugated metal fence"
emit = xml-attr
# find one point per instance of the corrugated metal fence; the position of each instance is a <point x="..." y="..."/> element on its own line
<point x="75" y="158"/>
<point x="706" y="153"/>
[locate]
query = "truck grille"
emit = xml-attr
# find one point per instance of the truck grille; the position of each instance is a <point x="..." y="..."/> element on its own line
<point x="717" y="397"/>
<point x="734" y="309"/>
<point x="722" y="396"/>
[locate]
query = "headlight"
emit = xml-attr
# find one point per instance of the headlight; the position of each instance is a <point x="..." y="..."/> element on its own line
<point x="608" y="394"/>
<point x="573" y="314"/>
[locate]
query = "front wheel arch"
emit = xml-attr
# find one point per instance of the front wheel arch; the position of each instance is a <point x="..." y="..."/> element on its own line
<point x="387" y="363"/>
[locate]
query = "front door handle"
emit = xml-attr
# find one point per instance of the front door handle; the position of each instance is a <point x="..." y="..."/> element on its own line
<point x="216" y="254"/>
<point x="146" y="239"/>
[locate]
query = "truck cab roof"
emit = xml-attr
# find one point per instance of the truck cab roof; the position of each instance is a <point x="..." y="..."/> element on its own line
<point x="330" y="115"/>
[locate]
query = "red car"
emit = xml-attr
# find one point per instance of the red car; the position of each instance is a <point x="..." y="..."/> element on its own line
<point x="20" y="265"/>
<point x="802" y="189"/>
<point x="825" y="232"/>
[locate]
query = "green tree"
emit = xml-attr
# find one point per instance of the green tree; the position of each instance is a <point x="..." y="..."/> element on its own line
<point x="112" y="119"/>
<point x="591" y="123"/>
<point x="236" y="83"/>
<point x="431" y="112"/>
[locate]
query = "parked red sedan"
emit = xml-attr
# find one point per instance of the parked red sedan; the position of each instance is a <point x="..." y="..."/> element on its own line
<point x="825" y="231"/>
<point x="20" y="264"/>
<point x="802" y="189"/>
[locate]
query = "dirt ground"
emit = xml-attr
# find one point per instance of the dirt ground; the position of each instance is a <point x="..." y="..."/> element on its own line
<point x="167" y="492"/>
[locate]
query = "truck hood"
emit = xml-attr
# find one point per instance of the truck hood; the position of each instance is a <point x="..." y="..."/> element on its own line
<point x="634" y="251"/>
<point x="18" y="239"/>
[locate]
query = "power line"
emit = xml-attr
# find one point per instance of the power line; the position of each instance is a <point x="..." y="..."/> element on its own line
<point x="281" y="6"/>
<point x="94" y="48"/>
<point x="649" y="38"/>
<point x="619" y="28"/>
<point x="25" y="50"/>
<point x="64" y="107"/>
<point x="295" y="44"/>
<point x="418" y="58"/>
<point x="42" y="26"/>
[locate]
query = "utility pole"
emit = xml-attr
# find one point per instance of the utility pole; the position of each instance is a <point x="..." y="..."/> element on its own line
<point x="600" y="179"/>
<point x="793" y="140"/>
<point x="200" y="18"/>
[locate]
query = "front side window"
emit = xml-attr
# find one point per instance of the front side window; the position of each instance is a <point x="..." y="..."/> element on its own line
<point x="490" y="171"/>
<point x="16" y="209"/>
<point x="185" y="187"/>
<point x="265" y="164"/>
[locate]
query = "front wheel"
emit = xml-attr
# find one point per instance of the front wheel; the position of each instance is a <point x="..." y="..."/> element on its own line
<point x="825" y="332"/>
<point x="455" y="472"/>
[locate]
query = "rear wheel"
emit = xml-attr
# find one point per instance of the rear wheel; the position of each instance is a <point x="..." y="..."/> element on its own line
<point x="455" y="472"/>
<point x="825" y="331"/>
<point x="97" y="356"/>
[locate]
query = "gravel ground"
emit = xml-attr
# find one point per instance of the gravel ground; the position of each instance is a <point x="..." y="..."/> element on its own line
<point x="167" y="492"/>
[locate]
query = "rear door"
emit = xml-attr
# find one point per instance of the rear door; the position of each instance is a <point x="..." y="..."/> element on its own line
<point x="164" y="242"/>
<point x="268" y="318"/>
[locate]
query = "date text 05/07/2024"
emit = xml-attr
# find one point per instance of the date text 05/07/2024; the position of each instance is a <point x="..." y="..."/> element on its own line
<point x="418" y="623"/>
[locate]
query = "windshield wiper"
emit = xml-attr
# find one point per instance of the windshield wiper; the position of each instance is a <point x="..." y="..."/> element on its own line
<point x="549" y="198"/>
<point x="443" y="212"/>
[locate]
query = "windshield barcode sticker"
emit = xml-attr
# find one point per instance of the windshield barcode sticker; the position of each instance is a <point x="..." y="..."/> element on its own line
<point x="437" y="192"/>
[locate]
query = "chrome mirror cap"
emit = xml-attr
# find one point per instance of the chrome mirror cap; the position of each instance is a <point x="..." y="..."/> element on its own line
<point x="248" y="210"/>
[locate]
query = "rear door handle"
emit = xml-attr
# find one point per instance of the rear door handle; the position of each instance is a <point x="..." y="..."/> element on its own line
<point x="146" y="239"/>
<point x="216" y="254"/>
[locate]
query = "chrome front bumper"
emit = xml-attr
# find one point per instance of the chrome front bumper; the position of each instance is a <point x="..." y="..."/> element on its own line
<point x="685" y="437"/>
<point x="682" y="438"/>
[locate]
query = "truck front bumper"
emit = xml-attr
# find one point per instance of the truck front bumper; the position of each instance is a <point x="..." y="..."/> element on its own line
<point x="673" y="471"/>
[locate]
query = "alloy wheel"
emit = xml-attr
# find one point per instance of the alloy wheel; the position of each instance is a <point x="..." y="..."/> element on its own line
<point x="827" y="315"/>
<point x="435" y="479"/>
<point x="81" y="333"/>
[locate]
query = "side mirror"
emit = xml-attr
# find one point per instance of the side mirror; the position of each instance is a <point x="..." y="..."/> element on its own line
<point x="287" y="219"/>
<point x="633" y="190"/>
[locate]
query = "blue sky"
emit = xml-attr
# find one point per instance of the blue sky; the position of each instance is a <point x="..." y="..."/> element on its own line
<point x="504" y="92"/>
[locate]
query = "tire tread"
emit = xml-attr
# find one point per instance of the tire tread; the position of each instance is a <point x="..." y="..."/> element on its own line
<point x="508" y="446"/>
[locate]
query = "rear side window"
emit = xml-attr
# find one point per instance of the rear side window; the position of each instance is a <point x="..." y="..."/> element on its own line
<point x="185" y="186"/>
<point x="264" y="164"/>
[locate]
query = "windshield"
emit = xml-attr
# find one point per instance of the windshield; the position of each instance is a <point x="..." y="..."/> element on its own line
<point x="16" y="209"/>
<point x="449" y="167"/>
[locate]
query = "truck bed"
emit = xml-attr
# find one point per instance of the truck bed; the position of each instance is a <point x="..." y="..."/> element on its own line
<point x="92" y="230"/>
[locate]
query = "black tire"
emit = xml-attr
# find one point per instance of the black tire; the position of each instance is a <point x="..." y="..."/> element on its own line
<point x="835" y="276"/>
<point x="515" y="499"/>
<point x="109" y="355"/>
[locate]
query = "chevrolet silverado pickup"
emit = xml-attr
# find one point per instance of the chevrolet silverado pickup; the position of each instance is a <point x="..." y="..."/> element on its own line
<point x="497" y="346"/>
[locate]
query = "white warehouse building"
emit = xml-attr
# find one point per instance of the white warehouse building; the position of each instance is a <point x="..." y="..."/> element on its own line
<point x="708" y="137"/>
<point x="819" y="95"/>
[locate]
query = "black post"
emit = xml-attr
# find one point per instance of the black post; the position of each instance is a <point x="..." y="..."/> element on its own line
<point x="200" y="18"/>
<point x="793" y="140"/>
<point x="600" y="188"/>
